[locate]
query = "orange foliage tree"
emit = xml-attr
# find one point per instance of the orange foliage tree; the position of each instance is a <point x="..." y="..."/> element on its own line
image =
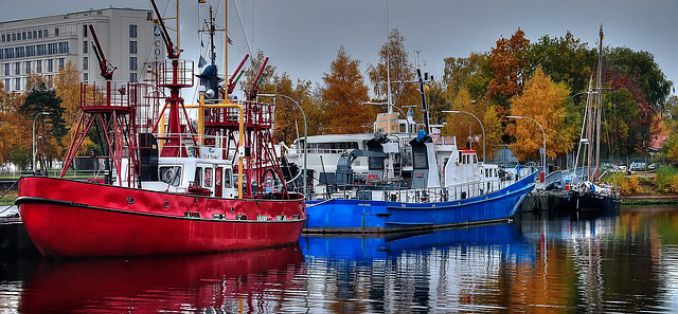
<point x="508" y="63"/>
<point x="546" y="102"/>
<point x="344" y="94"/>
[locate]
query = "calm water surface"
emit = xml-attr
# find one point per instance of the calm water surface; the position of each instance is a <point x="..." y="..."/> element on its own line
<point x="626" y="262"/>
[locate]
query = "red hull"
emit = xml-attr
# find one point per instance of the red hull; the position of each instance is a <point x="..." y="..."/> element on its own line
<point x="70" y="218"/>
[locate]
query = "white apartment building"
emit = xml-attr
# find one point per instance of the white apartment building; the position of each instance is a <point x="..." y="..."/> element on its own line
<point x="42" y="46"/>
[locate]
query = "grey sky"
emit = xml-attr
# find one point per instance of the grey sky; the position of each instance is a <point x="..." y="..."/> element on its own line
<point x="302" y="36"/>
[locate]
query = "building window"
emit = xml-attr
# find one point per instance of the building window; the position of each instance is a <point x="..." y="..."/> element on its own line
<point x="63" y="47"/>
<point x="3" y="38"/>
<point x="132" y="31"/>
<point x="2" y="54"/>
<point x="38" y="66"/>
<point x="50" y="80"/>
<point x="39" y="34"/>
<point x="35" y="34"/>
<point x="56" y="32"/>
<point x="20" y="52"/>
<point x="133" y="47"/>
<point x="30" y="51"/>
<point x="52" y="48"/>
<point x="132" y="63"/>
<point x="85" y="64"/>
<point x="50" y="65"/>
<point x="133" y="77"/>
<point x="61" y="63"/>
<point x="85" y="77"/>
<point x="7" y="87"/>
<point x="30" y="35"/>
<point x="84" y="30"/>
<point x="14" y="37"/>
<point x="23" y="36"/>
<point x="84" y="47"/>
<point x="9" y="53"/>
<point x="45" y="33"/>
<point x="17" y="68"/>
<point x="42" y="49"/>
<point x="27" y="65"/>
<point x="17" y="83"/>
<point x="6" y="69"/>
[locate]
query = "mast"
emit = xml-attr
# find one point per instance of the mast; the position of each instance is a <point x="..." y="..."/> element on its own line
<point x="599" y="98"/>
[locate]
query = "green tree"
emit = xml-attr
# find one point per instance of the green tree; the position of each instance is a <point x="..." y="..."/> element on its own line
<point x="565" y="59"/>
<point x="52" y="127"/>
<point x="471" y="73"/>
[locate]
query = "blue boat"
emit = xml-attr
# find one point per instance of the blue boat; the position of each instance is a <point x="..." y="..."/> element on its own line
<point x="399" y="179"/>
<point x="369" y="216"/>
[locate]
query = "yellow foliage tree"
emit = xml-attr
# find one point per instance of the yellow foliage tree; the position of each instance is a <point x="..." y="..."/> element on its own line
<point x="67" y="85"/>
<point x="546" y="102"/>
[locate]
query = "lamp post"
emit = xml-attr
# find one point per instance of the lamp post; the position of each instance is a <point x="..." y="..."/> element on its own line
<point x="43" y="113"/>
<point x="305" y="131"/>
<point x="543" y="133"/>
<point x="479" y="122"/>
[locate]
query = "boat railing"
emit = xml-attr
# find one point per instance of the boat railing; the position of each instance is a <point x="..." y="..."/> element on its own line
<point x="399" y="193"/>
<point x="203" y="146"/>
<point x="337" y="151"/>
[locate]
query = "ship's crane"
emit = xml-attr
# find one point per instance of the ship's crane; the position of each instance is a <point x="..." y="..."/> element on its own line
<point x="105" y="67"/>
<point x="113" y="110"/>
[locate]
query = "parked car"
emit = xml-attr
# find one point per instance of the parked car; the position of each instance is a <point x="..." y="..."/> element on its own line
<point x="638" y="166"/>
<point x="653" y="167"/>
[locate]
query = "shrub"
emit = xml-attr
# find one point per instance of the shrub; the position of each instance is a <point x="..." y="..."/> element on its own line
<point x="667" y="179"/>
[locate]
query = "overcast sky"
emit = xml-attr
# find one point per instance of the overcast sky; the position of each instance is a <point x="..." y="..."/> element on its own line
<point x="302" y="36"/>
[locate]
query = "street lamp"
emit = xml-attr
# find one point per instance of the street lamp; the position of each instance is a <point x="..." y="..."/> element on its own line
<point x="43" y="113"/>
<point x="479" y="122"/>
<point x="543" y="133"/>
<point x="305" y="131"/>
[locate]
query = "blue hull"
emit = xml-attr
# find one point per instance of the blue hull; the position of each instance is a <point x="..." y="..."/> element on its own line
<point x="361" y="216"/>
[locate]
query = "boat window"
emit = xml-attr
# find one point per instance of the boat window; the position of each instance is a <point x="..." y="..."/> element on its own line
<point x="170" y="174"/>
<point x="406" y="156"/>
<point x="208" y="177"/>
<point x="403" y="128"/>
<point x="475" y="159"/>
<point x="419" y="158"/>
<point x="198" y="175"/>
<point x="228" y="178"/>
<point x="376" y="163"/>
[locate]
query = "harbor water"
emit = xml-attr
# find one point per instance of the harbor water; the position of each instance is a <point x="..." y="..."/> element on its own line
<point x="624" y="261"/>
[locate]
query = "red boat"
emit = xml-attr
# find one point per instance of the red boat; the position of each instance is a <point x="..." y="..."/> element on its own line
<point x="166" y="190"/>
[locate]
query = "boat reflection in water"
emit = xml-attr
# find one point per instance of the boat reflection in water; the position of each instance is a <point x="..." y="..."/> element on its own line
<point x="504" y="238"/>
<point x="447" y="270"/>
<point x="248" y="280"/>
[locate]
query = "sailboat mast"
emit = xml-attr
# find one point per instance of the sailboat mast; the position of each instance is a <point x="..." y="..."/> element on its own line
<point x="599" y="97"/>
<point x="226" y="76"/>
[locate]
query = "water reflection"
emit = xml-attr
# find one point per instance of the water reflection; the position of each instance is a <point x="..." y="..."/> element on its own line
<point x="230" y="282"/>
<point x="616" y="262"/>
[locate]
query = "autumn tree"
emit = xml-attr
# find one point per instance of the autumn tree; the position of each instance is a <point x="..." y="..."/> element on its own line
<point x="344" y="94"/>
<point x="466" y="128"/>
<point x="508" y="63"/>
<point x="394" y="62"/>
<point x="288" y="117"/>
<point x="546" y="102"/>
